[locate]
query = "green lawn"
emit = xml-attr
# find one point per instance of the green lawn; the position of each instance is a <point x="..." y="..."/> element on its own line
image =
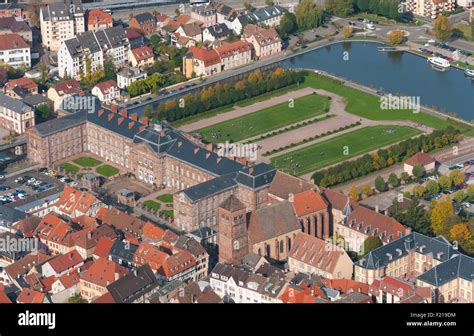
<point x="152" y="205"/>
<point x="87" y="161"/>
<point x="165" y="198"/>
<point x="368" y="106"/>
<point x="203" y="115"/>
<point x="107" y="170"/>
<point x="69" y="167"/>
<point x="267" y="119"/>
<point x="329" y="152"/>
<point x="168" y="213"/>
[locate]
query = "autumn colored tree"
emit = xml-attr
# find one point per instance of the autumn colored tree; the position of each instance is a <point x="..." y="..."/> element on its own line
<point x="461" y="234"/>
<point x="308" y="15"/>
<point x="442" y="216"/>
<point x="418" y="190"/>
<point x="444" y="182"/>
<point x="442" y="27"/>
<point x="470" y="193"/>
<point x="353" y="193"/>
<point x="459" y="195"/>
<point x="347" y="32"/>
<point x="456" y="176"/>
<point x="396" y="37"/>
<point x="432" y="187"/>
<point x="367" y="190"/>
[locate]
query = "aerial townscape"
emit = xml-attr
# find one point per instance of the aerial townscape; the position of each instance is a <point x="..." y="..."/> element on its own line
<point x="292" y="151"/>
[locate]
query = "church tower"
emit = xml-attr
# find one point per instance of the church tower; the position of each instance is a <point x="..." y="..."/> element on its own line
<point x="232" y="231"/>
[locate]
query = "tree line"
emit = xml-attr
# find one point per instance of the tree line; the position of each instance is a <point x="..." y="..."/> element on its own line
<point x="383" y="158"/>
<point x="220" y="95"/>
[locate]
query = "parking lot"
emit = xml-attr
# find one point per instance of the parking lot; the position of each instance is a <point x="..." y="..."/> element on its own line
<point x="30" y="185"/>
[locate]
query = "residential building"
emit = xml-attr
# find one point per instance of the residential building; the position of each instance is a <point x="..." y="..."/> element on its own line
<point x="206" y="15"/>
<point x="265" y="41"/>
<point x="88" y="51"/>
<point x="420" y="159"/>
<point x="219" y="31"/>
<point x="312" y="255"/>
<point x="430" y="8"/>
<point x="65" y="89"/>
<point x="19" y="88"/>
<point x="362" y="223"/>
<point x="62" y="264"/>
<point x="144" y="23"/>
<point x="94" y="281"/>
<point x="136" y="39"/>
<point x="393" y="290"/>
<point x="97" y="19"/>
<point x="75" y="203"/>
<point x="199" y="253"/>
<point x="238" y="285"/>
<point x="234" y="54"/>
<point x="141" y="57"/>
<point x="16" y="25"/>
<point x="128" y="75"/>
<point x="60" y="22"/>
<point x="107" y="92"/>
<point x="14" y="51"/>
<point x="15" y="115"/>
<point x="404" y="258"/>
<point x="268" y="16"/>
<point x="201" y="62"/>
<point x="190" y="31"/>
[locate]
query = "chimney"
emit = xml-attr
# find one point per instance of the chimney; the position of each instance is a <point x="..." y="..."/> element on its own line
<point x="134" y="116"/>
<point x="196" y="149"/>
<point x="219" y="159"/>
<point x="131" y="124"/>
<point x="207" y="155"/>
<point x="120" y="120"/>
<point x="124" y="113"/>
<point x="89" y="235"/>
<point x="114" y="108"/>
<point x="117" y="276"/>
<point x="251" y="169"/>
<point x="111" y="116"/>
<point x="376" y="208"/>
<point x="142" y="128"/>
<point x="100" y="112"/>
<point x="162" y="133"/>
<point x="385" y="212"/>
<point x="210" y="147"/>
<point x="70" y="256"/>
<point x="180" y="143"/>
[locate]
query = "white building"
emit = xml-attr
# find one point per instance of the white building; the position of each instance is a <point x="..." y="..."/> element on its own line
<point x="59" y="22"/>
<point x="87" y="52"/>
<point x="129" y="75"/>
<point x="15" y="115"/>
<point x="14" y="51"/>
<point x="107" y="91"/>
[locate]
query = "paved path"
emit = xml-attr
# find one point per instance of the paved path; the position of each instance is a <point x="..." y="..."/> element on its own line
<point x="241" y="111"/>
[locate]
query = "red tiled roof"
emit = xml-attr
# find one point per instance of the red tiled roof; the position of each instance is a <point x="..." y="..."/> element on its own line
<point x="346" y="285"/>
<point x="104" y="298"/>
<point x="128" y="224"/>
<point x="103" y="247"/>
<point x="209" y="57"/>
<point x="105" y="87"/>
<point x="177" y="263"/>
<point x="48" y="283"/>
<point x="68" y="87"/>
<point x="103" y="272"/>
<point x="52" y="228"/>
<point x="66" y="261"/>
<point x="142" y="53"/>
<point x="153" y="232"/>
<point x="28" y="295"/>
<point x="26" y="84"/>
<point x="147" y="253"/>
<point x="12" y="41"/>
<point x="25" y="264"/>
<point x="98" y="17"/>
<point x="263" y="36"/>
<point x="72" y="200"/>
<point x="132" y="34"/>
<point x="70" y="279"/>
<point x="308" y="202"/>
<point x="3" y="297"/>
<point x="420" y="158"/>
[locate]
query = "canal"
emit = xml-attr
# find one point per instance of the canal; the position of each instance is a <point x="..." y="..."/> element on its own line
<point x="400" y="73"/>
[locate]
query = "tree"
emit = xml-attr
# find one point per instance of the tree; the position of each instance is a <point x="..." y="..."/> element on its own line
<point x="445" y="182"/>
<point x="442" y="216"/>
<point x="396" y="37"/>
<point x="347" y="32"/>
<point x="367" y="190"/>
<point x="472" y="29"/>
<point x="405" y="177"/>
<point x="456" y="176"/>
<point x="470" y="193"/>
<point x="269" y="3"/>
<point x="77" y="299"/>
<point x="442" y="28"/>
<point x="287" y="25"/>
<point x="418" y="190"/>
<point x="393" y="180"/>
<point x="247" y="6"/>
<point x="459" y="195"/>
<point x="380" y="184"/>
<point x="363" y="5"/>
<point x="340" y="7"/>
<point x="412" y="215"/>
<point x="44" y="71"/>
<point x="44" y="111"/>
<point x="148" y="111"/>
<point x="418" y="171"/>
<point x="353" y="193"/>
<point x="374" y="6"/>
<point x="370" y="244"/>
<point x="308" y="15"/>
<point x="432" y="187"/>
<point x="461" y="234"/>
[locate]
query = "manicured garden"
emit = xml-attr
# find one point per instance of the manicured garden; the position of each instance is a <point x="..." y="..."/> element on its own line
<point x="267" y="119"/>
<point x="152" y="205"/>
<point x="165" y="198"/>
<point x="69" y="167"/>
<point x="341" y="148"/>
<point x="87" y="162"/>
<point x="107" y="170"/>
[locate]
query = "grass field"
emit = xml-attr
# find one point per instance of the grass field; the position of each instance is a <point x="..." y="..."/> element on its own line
<point x="165" y="198"/>
<point x="86" y="161"/>
<point x="69" y="167"/>
<point x="168" y="213"/>
<point x="267" y="119"/>
<point x="152" y="205"/>
<point x="107" y="170"/>
<point x="368" y="106"/>
<point x="329" y="152"/>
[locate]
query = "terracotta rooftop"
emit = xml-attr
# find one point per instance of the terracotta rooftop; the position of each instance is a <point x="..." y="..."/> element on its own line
<point x="420" y="158"/>
<point x="308" y="202"/>
<point x="12" y="41"/>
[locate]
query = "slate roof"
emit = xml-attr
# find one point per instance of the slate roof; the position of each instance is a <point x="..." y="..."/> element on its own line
<point x="261" y="14"/>
<point x="272" y="221"/>
<point x="133" y="285"/>
<point x="144" y="18"/>
<point x="14" y="24"/>
<point x="219" y="30"/>
<point x="10" y="215"/>
<point x="13" y="104"/>
<point x="460" y="266"/>
<point x="122" y="250"/>
<point x="439" y="247"/>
